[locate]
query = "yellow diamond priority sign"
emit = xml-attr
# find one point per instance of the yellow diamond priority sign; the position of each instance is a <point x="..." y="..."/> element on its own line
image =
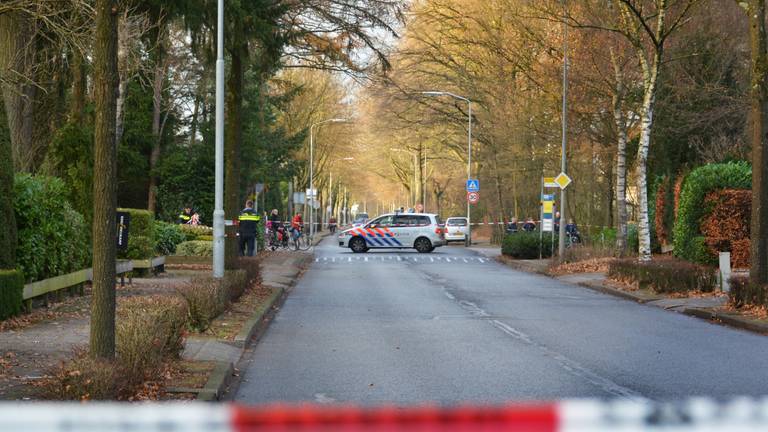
<point x="563" y="180"/>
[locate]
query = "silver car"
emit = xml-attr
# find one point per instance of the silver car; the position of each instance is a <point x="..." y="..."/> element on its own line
<point x="421" y="231"/>
<point x="456" y="229"/>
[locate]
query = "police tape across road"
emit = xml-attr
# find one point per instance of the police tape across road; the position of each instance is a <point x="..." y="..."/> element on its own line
<point x="700" y="415"/>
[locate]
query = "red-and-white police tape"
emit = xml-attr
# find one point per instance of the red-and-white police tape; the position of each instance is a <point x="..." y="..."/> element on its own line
<point x="701" y="415"/>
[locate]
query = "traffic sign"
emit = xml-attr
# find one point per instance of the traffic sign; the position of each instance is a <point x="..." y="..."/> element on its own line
<point x="473" y="197"/>
<point x="548" y="197"/>
<point x="311" y="193"/>
<point x="549" y="182"/>
<point x="563" y="180"/>
<point x="473" y="185"/>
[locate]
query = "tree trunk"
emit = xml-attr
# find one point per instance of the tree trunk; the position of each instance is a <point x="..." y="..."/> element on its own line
<point x="758" y="272"/>
<point x="102" y="341"/>
<point x="649" y="98"/>
<point x="234" y="135"/>
<point x="122" y="76"/>
<point x="161" y="69"/>
<point x="79" y="84"/>
<point x="621" y="159"/>
<point x="8" y="234"/>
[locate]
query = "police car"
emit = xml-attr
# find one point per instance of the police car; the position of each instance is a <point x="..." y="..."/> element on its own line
<point x="421" y="231"/>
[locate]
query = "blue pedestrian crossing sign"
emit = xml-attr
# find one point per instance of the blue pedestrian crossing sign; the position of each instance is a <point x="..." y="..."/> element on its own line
<point x="473" y="185"/>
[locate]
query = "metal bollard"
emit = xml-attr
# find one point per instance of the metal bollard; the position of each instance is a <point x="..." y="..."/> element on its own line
<point x="725" y="271"/>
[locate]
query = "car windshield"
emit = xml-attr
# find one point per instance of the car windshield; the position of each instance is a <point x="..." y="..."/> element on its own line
<point x="456" y="222"/>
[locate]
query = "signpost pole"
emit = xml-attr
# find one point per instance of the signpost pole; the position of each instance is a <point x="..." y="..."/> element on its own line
<point x="563" y="208"/>
<point x="218" y="211"/>
<point x="541" y="217"/>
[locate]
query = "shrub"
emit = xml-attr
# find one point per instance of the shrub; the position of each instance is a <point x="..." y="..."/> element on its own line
<point x="195" y="248"/>
<point x="149" y="330"/>
<point x="726" y="227"/>
<point x="633" y="240"/>
<point x="252" y="267"/>
<point x="53" y="239"/>
<point x="697" y="185"/>
<point x="525" y="245"/>
<point x="701" y="252"/>
<point x="743" y="293"/>
<point x="666" y="275"/>
<point x="11" y="293"/>
<point x="740" y="253"/>
<point x="235" y="283"/>
<point x="206" y="299"/>
<point x="167" y="237"/>
<point x="141" y="235"/>
<point x="192" y="232"/>
<point x="83" y="378"/>
<point x="205" y="238"/>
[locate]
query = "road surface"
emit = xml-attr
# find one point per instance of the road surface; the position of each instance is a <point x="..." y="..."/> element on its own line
<point x="452" y="326"/>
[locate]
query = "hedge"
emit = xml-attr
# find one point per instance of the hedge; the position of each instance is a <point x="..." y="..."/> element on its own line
<point x="726" y="227"/>
<point x="11" y="293"/>
<point x="192" y="232"/>
<point x="664" y="275"/>
<point x="701" y="181"/>
<point x="53" y="239"/>
<point x="195" y="248"/>
<point x="743" y="293"/>
<point x="141" y="234"/>
<point x="525" y="245"/>
<point x="167" y="237"/>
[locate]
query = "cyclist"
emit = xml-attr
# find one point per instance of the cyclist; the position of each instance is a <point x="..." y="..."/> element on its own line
<point x="572" y="231"/>
<point x="275" y="226"/>
<point x="297" y="223"/>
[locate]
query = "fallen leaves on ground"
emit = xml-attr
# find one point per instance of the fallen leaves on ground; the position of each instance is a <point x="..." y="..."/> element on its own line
<point x="750" y="311"/>
<point x="594" y="265"/>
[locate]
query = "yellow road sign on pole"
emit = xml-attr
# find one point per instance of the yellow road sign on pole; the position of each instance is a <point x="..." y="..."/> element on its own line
<point x="563" y="180"/>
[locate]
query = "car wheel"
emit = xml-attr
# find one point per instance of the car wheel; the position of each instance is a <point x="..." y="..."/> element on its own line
<point x="423" y="245"/>
<point x="357" y="244"/>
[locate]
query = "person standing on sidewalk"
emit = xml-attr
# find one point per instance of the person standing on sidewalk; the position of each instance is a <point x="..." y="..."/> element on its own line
<point x="249" y="223"/>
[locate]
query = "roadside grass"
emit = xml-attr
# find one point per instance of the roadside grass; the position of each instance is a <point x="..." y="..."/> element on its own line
<point x="227" y="325"/>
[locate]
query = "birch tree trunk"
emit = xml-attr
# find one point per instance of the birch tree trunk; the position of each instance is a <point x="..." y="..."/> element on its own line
<point x="650" y="73"/>
<point x="122" y="75"/>
<point x="621" y="159"/>
<point x="102" y="337"/>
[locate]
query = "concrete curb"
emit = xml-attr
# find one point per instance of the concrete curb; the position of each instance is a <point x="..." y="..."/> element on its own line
<point x="520" y="266"/>
<point x="728" y="319"/>
<point x="628" y="295"/>
<point x="252" y="325"/>
<point x="218" y="381"/>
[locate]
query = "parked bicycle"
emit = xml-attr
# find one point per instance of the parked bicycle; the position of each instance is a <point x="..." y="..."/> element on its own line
<point x="301" y="241"/>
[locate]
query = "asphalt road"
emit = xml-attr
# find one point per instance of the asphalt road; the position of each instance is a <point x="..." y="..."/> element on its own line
<point x="452" y="326"/>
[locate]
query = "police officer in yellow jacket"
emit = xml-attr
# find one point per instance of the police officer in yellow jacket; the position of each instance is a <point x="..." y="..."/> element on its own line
<point x="186" y="216"/>
<point x="249" y="223"/>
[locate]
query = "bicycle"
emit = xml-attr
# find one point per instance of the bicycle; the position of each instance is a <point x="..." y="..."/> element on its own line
<point x="301" y="241"/>
<point x="277" y="238"/>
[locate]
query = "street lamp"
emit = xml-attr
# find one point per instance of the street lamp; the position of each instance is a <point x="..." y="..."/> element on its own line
<point x="218" y="211"/>
<point x="312" y="166"/>
<point x="468" y="241"/>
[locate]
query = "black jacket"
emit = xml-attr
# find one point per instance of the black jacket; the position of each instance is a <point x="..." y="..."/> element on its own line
<point x="249" y="222"/>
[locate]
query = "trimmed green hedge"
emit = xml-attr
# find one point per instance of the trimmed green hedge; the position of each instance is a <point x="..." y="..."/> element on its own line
<point x="702" y="180"/>
<point x="53" y="239"/>
<point x="167" y="237"/>
<point x="141" y="234"/>
<point x="195" y="248"/>
<point x="11" y="293"/>
<point x="192" y="232"/>
<point x="525" y="245"/>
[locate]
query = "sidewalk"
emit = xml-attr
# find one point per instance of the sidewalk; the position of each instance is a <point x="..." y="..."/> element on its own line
<point x="28" y="352"/>
<point x="710" y="307"/>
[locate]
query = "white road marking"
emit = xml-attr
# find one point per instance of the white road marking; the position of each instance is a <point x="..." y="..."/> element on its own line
<point x="366" y="259"/>
<point x="439" y="258"/>
<point x="465" y="260"/>
<point x="322" y="398"/>
<point x="447" y="259"/>
<point x="333" y="259"/>
<point x="350" y="259"/>
<point x="399" y="258"/>
<point x="325" y="259"/>
<point x="317" y="259"/>
<point x="431" y="259"/>
<point x="481" y="260"/>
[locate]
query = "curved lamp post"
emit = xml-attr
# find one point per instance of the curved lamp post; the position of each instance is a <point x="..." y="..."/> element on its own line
<point x="469" y="149"/>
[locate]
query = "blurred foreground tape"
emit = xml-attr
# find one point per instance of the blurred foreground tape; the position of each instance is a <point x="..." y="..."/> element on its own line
<point x="569" y="416"/>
